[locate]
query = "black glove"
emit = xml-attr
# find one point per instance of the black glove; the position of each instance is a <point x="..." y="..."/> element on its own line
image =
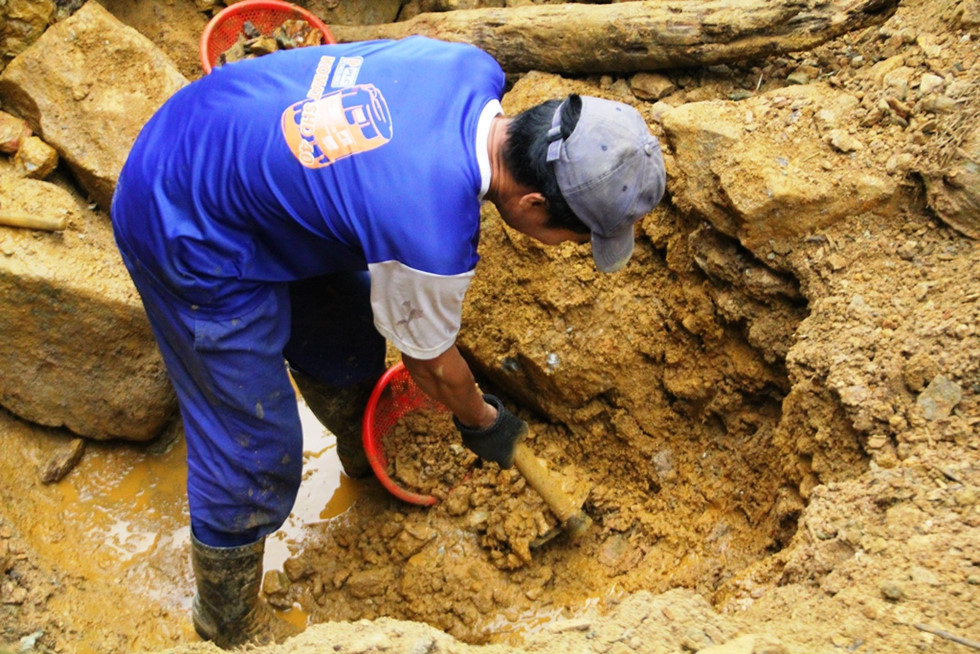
<point x="498" y="441"/>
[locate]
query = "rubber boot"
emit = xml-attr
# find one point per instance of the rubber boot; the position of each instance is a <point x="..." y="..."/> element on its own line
<point x="341" y="410"/>
<point x="227" y="608"/>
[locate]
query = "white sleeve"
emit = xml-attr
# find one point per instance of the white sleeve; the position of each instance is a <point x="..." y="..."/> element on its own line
<point x="419" y="312"/>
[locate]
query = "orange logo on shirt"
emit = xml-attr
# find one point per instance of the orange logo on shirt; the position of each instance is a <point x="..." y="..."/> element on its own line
<point x="337" y="125"/>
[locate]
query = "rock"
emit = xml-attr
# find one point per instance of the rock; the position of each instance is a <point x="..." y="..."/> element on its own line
<point x="702" y="140"/>
<point x="959" y="88"/>
<point x="769" y="198"/>
<point x="747" y="644"/>
<point x="78" y="352"/>
<point x="798" y="77"/>
<point x="919" y="369"/>
<point x="722" y="260"/>
<point x="741" y="645"/>
<point x="769" y="645"/>
<point x="893" y="590"/>
<point x="954" y="192"/>
<point x="907" y="250"/>
<point x="274" y="582"/>
<point x="694" y="639"/>
<point x="843" y="142"/>
<point x="375" y="12"/>
<point x="940" y="104"/>
<point x="6" y="557"/>
<point x="829" y="118"/>
<point x="658" y="110"/>
<point x="10" y="593"/>
<point x="930" y="48"/>
<point x="297" y="568"/>
<point x="902" y="162"/>
<point x="275" y="585"/>
<point x="651" y="86"/>
<point x="881" y="69"/>
<point x="63" y="461"/>
<point x="13" y="131"/>
<point x="930" y="82"/>
<point x="939" y="398"/>
<point x="86" y="87"/>
<point x="836" y="262"/>
<point x="77" y="349"/>
<point x="25" y="21"/>
<point x="35" y="158"/>
<point x="965" y="497"/>
<point x="370" y="583"/>
<point x="664" y="465"/>
<point x="897" y="81"/>
<point x="923" y="575"/>
<point x="968" y="14"/>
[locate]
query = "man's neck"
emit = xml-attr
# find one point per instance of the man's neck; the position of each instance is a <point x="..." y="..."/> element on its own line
<point x="500" y="178"/>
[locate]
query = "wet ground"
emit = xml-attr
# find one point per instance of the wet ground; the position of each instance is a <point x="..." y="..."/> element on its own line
<point x="119" y="521"/>
<point x="784" y="469"/>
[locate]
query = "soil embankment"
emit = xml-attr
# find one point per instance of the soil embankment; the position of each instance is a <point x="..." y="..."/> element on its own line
<point x="774" y="408"/>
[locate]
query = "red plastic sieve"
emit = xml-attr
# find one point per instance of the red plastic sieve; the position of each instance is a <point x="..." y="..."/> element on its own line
<point x="395" y="395"/>
<point x="223" y="30"/>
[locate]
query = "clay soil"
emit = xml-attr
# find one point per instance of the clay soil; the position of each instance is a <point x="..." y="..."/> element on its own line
<point x="715" y="538"/>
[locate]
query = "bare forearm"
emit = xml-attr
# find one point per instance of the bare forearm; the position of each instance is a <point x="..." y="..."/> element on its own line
<point x="448" y="379"/>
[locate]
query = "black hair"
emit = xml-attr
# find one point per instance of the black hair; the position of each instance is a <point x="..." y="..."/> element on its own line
<point x="526" y="156"/>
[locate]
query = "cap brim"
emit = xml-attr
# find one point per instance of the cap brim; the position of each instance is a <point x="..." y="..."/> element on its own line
<point x="612" y="252"/>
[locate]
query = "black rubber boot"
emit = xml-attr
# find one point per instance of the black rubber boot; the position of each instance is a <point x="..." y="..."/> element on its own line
<point x="341" y="410"/>
<point x="227" y="608"/>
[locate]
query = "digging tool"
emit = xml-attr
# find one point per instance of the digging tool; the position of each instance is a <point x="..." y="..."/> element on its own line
<point x="13" y="218"/>
<point x="574" y="520"/>
<point x="401" y="396"/>
<point x="503" y="442"/>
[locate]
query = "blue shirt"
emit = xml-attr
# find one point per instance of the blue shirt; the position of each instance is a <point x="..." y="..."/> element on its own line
<point x="317" y="160"/>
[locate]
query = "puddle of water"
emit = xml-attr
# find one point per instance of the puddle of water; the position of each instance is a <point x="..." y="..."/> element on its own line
<point x="122" y="514"/>
<point x="324" y="494"/>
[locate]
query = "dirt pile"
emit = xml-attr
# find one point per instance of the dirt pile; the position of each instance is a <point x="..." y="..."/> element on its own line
<point x="783" y="452"/>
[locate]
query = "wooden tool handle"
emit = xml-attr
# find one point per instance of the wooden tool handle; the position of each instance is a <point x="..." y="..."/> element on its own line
<point x="13" y="218"/>
<point x="572" y="517"/>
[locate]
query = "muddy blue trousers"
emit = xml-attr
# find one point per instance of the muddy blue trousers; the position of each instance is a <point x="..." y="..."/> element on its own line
<point x="240" y="415"/>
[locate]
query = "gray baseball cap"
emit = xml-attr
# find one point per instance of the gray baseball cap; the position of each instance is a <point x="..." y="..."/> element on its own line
<point x="611" y="173"/>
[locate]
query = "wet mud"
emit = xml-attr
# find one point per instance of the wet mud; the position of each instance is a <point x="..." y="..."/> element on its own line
<point x="801" y="471"/>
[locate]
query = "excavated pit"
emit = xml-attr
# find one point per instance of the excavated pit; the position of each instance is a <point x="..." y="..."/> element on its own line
<point x="683" y="469"/>
<point x="793" y="438"/>
<point x="690" y="474"/>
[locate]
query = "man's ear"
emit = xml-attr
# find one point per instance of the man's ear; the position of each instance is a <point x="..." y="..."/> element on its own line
<point x="533" y="200"/>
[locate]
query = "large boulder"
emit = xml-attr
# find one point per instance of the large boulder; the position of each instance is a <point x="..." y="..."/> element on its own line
<point x="77" y="348"/>
<point x="773" y="169"/>
<point x="87" y="87"/>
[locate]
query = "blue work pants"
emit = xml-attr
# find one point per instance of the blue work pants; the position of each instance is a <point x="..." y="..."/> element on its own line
<point x="240" y="415"/>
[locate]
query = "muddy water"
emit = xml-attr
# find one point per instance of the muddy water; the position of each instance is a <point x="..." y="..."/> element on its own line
<point x="114" y="532"/>
<point x="128" y="504"/>
<point x="324" y="494"/>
